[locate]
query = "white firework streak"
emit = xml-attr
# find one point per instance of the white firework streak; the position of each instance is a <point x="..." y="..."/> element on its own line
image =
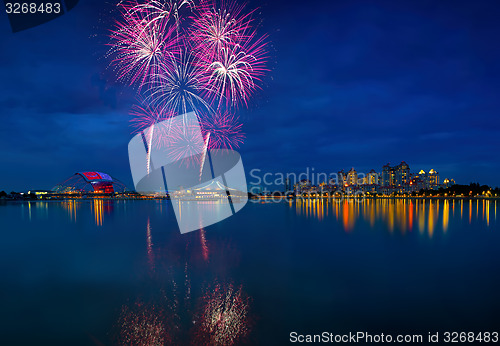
<point x="205" y="148"/>
<point x="231" y="75"/>
<point x="162" y="10"/>
<point x="179" y="86"/>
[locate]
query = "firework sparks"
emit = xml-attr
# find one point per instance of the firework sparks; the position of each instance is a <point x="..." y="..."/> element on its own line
<point x="162" y="11"/>
<point x="140" y="47"/>
<point x="224" y="317"/>
<point x="151" y="120"/>
<point x="215" y="28"/>
<point x="180" y="85"/>
<point x="147" y="115"/>
<point x="141" y="325"/>
<point x="215" y="60"/>
<point x="186" y="143"/>
<point x="234" y="75"/>
<point x="224" y="131"/>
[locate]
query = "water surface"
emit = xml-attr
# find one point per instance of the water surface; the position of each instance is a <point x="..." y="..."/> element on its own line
<point x="113" y="271"/>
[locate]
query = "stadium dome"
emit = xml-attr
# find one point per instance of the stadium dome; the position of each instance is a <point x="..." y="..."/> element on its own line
<point x="90" y="182"/>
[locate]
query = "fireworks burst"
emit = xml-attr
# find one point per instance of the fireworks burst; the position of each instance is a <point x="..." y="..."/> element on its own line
<point x="162" y="11"/>
<point x="147" y="115"/>
<point x="140" y="47"/>
<point x="224" y="131"/>
<point x="186" y="144"/>
<point x="215" y="28"/>
<point x="179" y="85"/>
<point x="234" y="74"/>
<point x="188" y="55"/>
<point x="151" y="120"/>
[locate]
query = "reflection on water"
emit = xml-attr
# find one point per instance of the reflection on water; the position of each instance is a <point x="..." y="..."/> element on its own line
<point x="204" y="244"/>
<point x="149" y="244"/>
<point x="71" y="207"/>
<point x="180" y="310"/>
<point x="222" y="286"/>
<point x="38" y="207"/>
<point x="223" y="317"/>
<point x="142" y="324"/>
<point x="405" y="215"/>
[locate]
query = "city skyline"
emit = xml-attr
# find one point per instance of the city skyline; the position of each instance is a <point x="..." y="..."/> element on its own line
<point x="389" y="179"/>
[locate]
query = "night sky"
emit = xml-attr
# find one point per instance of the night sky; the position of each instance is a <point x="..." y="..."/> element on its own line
<point x="351" y="84"/>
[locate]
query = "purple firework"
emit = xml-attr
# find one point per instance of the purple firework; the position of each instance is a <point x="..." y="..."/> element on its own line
<point x="222" y="130"/>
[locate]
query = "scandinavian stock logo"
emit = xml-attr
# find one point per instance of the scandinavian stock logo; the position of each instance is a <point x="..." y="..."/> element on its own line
<point x="205" y="186"/>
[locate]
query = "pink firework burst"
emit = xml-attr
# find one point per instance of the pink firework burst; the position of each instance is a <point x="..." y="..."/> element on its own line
<point x="236" y="71"/>
<point x="222" y="130"/>
<point x="150" y="118"/>
<point x="139" y="46"/>
<point x="214" y="28"/>
<point x="186" y="144"/>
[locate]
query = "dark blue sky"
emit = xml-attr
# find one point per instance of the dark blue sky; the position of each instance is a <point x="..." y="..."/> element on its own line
<point x="352" y="83"/>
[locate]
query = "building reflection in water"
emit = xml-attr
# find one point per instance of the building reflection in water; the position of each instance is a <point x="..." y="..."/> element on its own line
<point x="71" y="207"/>
<point x="100" y="207"/>
<point x="404" y="215"/>
<point x="38" y="209"/>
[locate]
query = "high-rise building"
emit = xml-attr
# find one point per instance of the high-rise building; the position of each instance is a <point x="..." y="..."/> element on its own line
<point x="388" y="176"/>
<point x="352" y="177"/>
<point x="341" y="178"/>
<point x="430" y="180"/>
<point x="372" y="178"/>
<point x="433" y="179"/>
<point x="402" y="174"/>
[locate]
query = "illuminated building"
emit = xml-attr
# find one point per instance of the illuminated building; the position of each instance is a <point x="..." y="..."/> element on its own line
<point x="39" y="193"/>
<point x="430" y="180"/>
<point x="388" y="177"/>
<point x="341" y="177"/>
<point x="416" y="183"/>
<point x="352" y="177"/>
<point x="90" y="182"/>
<point x="402" y="175"/>
<point x="397" y="177"/>
<point x="302" y="186"/>
<point x="448" y="182"/>
<point x="371" y="182"/>
<point x="433" y="179"/>
<point x="372" y="178"/>
<point x="210" y="192"/>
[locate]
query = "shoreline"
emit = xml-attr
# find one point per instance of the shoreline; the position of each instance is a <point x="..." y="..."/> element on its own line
<point x="288" y="198"/>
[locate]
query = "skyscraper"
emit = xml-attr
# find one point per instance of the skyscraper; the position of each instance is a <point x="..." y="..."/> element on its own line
<point x="402" y="174"/>
<point x="372" y="178"/>
<point x="388" y="175"/>
<point x="352" y="177"/>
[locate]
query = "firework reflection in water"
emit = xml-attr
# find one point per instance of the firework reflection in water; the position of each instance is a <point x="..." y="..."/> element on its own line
<point x="223" y="317"/>
<point x="142" y="325"/>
